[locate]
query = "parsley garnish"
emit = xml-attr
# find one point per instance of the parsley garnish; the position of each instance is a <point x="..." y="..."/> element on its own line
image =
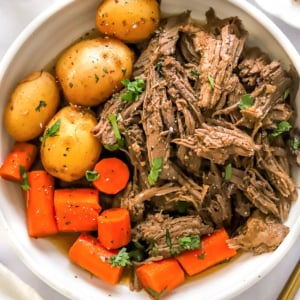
<point x="283" y="126"/>
<point x="71" y="84"/>
<point x="51" y="131"/>
<point x="286" y="93"/>
<point x="124" y="70"/>
<point x="211" y="82"/>
<point x="155" y="170"/>
<point x="158" y="66"/>
<point x="228" y="172"/>
<point x="194" y="72"/>
<point x="168" y="238"/>
<point x="201" y="255"/>
<point x="41" y="104"/>
<point x="91" y="175"/>
<point x="181" y="207"/>
<point x="120" y="141"/>
<point x="105" y="70"/>
<point x="25" y="184"/>
<point x="246" y="101"/>
<point x="134" y="89"/>
<point x="96" y="78"/>
<point x="295" y="143"/>
<point x="155" y="294"/>
<point x="122" y="259"/>
<point x="190" y="242"/>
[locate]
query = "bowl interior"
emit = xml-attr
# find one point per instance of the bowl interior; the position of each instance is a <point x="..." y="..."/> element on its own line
<point x="38" y="45"/>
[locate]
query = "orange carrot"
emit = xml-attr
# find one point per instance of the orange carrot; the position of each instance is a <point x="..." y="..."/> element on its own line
<point x="40" y="204"/>
<point x="113" y="175"/>
<point x="76" y="209"/>
<point x="114" y="229"/>
<point x="23" y="154"/>
<point x="160" y="277"/>
<point x="214" y="249"/>
<point x="88" y="253"/>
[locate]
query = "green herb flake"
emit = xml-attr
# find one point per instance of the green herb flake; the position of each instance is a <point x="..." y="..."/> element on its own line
<point x="41" y="104"/>
<point x="246" y="101"/>
<point x="228" y="172"/>
<point x="211" y="82"/>
<point x="134" y="89"/>
<point x="105" y="70"/>
<point x="181" y="207"/>
<point x="155" y="170"/>
<point x="168" y="239"/>
<point x="158" y="66"/>
<point x="295" y="143"/>
<point x="286" y="93"/>
<point x="25" y="184"/>
<point x="120" y="141"/>
<point x="195" y="72"/>
<point x="124" y="70"/>
<point x="155" y="294"/>
<point x="71" y="85"/>
<point x="91" y="175"/>
<point x="283" y="126"/>
<point x="201" y="255"/>
<point x="96" y="78"/>
<point x="122" y="259"/>
<point x="190" y="242"/>
<point x="51" y="131"/>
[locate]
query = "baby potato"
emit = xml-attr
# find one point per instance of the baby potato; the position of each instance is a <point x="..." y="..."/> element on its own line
<point x="90" y="71"/>
<point x="129" y="20"/>
<point x="68" y="147"/>
<point x="32" y="104"/>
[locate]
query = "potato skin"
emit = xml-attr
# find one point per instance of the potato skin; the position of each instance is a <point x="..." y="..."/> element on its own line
<point x="90" y="71"/>
<point x="32" y="104"/>
<point x="129" y="20"/>
<point x="73" y="149"/>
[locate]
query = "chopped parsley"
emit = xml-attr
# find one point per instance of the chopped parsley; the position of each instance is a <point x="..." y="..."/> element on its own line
<point x="134" y="89"/>
<point x="41" y="104"/>
<point x="155" y="294"/>
<point x="71" y="85"/>
<point x="105" y="70"/>
<point x="124" y="70"/>
<point x="155" y="170"/>
<point x="190" y="242"/>
<point x="25" y="184"/>
<point x="96" y="78"/>
<point x="246" y="101"/>
<point x="211" y="82"/>
<point x="51" y="131"/>
<point x="122" y="259"/>
<point x="120" y="141"/>
<point x="283" y="126"/>
<point x="228" y="172"/>
<point x="91" y="175"/>
<point x="158" y="66"/>
<point x="201" y="255"/>
<point x="181" y="207"/>
<point x="295" y="143"/>
<point x="286" y="93"/>
<point x="195" y="72"/>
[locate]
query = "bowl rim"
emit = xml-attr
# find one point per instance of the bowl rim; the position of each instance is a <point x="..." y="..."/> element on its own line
<point x="256" y="14"/>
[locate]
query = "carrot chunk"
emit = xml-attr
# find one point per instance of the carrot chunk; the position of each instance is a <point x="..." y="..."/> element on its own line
<point x="113" y="175"/>
<point x="214" y="249"/>
<point x="22" y="154"/>
<point x="40" y="204"/>
<point x="114" y="229"/>
<point x="88" y="253"/>
<point x="76" y="209"/>
<point x="160" y="277"/>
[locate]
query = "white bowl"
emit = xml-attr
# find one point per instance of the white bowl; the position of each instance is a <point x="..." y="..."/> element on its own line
<point x="38" y="44"/>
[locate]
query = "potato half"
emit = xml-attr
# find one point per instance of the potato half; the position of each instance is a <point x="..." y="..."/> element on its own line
<point x="90" y="71"/>
<point x="68" y="147"/>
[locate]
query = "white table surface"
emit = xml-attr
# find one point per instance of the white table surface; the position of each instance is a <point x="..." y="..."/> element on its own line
<point x="14" y="15"/>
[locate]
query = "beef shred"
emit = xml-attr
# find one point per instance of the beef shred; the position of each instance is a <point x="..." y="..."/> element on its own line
<point x="213" y="114"/>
